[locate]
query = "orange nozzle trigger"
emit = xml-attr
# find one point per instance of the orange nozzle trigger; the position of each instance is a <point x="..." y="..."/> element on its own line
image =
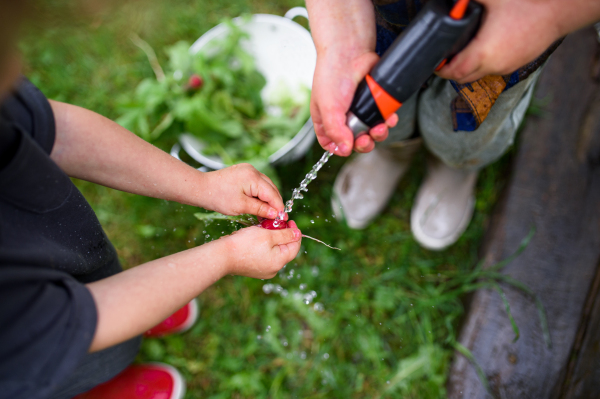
<point x="387" y="104"/>
<point x="459" y="9"/>
<point x="441" y="65"/>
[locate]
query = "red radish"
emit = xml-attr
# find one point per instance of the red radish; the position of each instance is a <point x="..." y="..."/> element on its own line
<point x="271" y="224"/>
<point x="195" y="81"/>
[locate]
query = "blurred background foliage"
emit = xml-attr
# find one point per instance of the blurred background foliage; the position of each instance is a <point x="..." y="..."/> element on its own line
<point x="386" y="313"/>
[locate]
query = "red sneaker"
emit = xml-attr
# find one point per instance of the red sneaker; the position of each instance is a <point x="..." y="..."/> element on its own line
<point x="142" y="381"/>
<point x="180" y="321"/>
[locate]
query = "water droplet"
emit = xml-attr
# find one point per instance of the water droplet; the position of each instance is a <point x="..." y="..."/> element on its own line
<point x="259" y="337"/>
<point x="302" y="355"/>
<point x="302" y="286"/>
<point x="312" y="221"/>
<point x="267" y="288"/>
<point x="326" y="356"/>
<point x="318" y="307"/>
<point x="268" y="328"/>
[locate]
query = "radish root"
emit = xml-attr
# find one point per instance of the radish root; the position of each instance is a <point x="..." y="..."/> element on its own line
<point x="314" y="239"/>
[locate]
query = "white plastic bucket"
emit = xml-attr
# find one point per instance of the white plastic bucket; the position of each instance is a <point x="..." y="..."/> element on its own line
<point x="285" y="54"/>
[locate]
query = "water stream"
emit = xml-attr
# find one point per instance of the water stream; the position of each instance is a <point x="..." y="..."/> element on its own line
<point x="297" y="193"/>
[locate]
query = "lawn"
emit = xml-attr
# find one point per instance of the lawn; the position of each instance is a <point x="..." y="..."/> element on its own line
<point x="381" y="315"/>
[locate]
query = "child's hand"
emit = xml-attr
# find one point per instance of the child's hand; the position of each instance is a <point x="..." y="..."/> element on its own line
<point x="241" y="189"/>
<point x="260" y="253"/>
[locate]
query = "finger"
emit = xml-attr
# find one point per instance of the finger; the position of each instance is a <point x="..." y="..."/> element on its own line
<point x="379" y="132"/>
<point x="285" y="236"/>
<point x="334" y="124"/>
<point x="315" y="113"/>
<point x="287" y="252"/>
<point x="466" y="76"/>
<point x="392" y="121"/>
<point x="466" y="63"/>
<point x="364" y="144"/>
<point x="268" y="194"/>
<point x="254" y="206"/>
<point x="292" y="224"/>
<point x="268" y="179"/>
<point x="270" y="182"/>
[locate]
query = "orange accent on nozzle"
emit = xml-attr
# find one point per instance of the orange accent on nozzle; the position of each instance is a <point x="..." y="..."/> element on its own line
<point x="387" y="104"/>
<point x="459" y="9"/>
<point x="441" y="64"/>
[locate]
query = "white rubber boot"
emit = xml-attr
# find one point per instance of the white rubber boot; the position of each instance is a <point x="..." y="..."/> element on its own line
<point x="444" y="205"/>
<point x="366" y="183"/>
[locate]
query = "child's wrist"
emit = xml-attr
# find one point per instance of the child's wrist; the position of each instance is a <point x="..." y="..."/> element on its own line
<point x="201" y="192"/>
<point x="219" y="253"/>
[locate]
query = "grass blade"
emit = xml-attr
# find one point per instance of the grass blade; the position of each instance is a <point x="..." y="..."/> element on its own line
<point x="524" y="243"/>
<point x="538" y="303"/>
<point x="480" y="373"/>
<point x="513" y="323"/>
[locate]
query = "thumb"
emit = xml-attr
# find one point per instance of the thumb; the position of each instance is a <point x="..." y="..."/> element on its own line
<point x="362" y="65"/>
<point x="285" y="236"/>
<point x="254" y="206"/>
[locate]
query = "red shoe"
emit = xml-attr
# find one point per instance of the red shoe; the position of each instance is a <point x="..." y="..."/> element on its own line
<point x="180" y="321"/>
<point x="142" y="381"/>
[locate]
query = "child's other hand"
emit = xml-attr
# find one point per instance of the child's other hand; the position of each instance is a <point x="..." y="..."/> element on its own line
<point x="260" y="253"/>
<point x="241" y="189"/>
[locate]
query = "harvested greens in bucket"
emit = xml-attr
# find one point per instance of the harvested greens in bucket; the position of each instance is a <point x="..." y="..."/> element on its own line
<point x="215" y="95"/>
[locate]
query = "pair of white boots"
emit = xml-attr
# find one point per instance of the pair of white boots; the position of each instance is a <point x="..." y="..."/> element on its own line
<point x="442" y="209"/>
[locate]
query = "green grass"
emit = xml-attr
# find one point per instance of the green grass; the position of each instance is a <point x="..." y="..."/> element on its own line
<point x="390" y="309"/>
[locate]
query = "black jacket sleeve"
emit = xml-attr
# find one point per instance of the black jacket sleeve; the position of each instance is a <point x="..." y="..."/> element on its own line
<point x="47" y="323"/>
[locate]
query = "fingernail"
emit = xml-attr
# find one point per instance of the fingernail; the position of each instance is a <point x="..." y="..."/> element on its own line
<point x="272" y="214"/>
<point x="297" y="234"/>
<point x="379" y="129"/>
<point x="343" y="148"/>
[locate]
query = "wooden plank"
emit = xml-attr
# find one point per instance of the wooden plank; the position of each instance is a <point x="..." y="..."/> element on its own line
<point x="555" y="186"/>
<point x="582" y="377"/>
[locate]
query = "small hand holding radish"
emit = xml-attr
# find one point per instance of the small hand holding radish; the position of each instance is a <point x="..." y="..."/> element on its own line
<point x="261" y="252"/>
